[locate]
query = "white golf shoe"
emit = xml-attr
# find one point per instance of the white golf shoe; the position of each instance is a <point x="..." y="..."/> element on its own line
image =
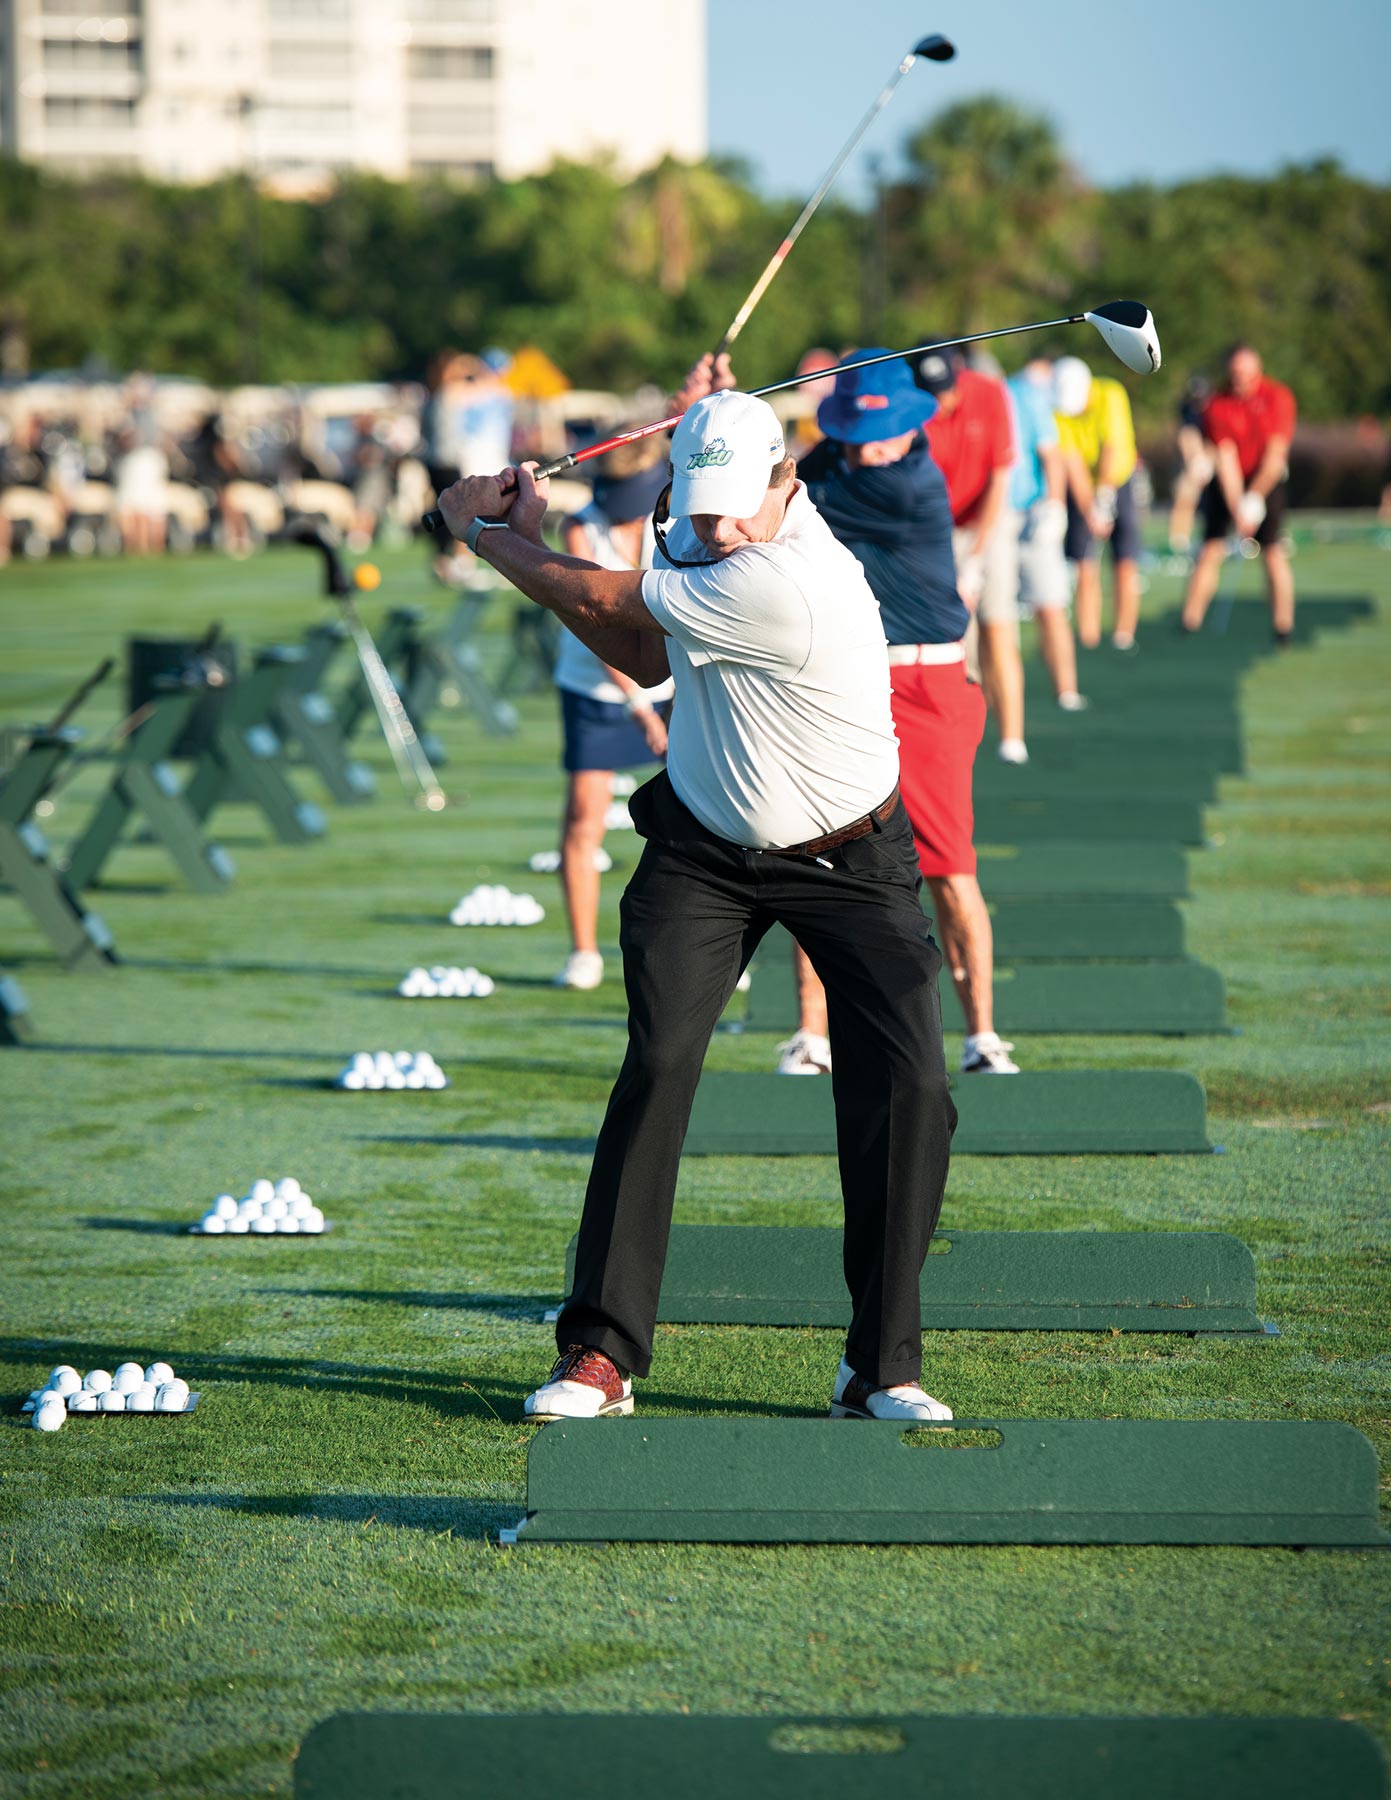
<point x="584" y="969"/>
<point x="805" y="1053"/>
<point x="855" y="1398"/>
<point x="987" y="1054"/>
<point x="583" y="1384"/>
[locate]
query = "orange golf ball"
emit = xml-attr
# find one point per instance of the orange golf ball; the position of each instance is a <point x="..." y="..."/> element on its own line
<point x="367" y="576"/>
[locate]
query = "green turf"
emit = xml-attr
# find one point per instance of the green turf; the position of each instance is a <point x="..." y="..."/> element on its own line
<point x="183" y="1599"/>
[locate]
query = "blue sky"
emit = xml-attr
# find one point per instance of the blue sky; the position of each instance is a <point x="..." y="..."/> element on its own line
<point x="1156" y="90"/>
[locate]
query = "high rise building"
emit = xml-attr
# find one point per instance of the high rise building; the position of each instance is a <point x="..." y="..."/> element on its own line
<point x="297" y="91"/>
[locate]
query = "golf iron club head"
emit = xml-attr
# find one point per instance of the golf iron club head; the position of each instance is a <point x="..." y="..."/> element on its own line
<point x="1128" y="328"/>
<point x="935" y="48"/>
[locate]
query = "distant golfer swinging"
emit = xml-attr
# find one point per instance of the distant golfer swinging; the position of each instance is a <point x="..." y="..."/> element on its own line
<point x="779" y="804"/>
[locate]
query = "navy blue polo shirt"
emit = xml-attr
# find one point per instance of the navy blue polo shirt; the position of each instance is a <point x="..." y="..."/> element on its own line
<point x="897" y="521"/>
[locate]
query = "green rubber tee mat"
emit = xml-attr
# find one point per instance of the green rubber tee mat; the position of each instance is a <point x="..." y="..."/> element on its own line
<point x="1173" y="999"/>
<point x="1085" y="782"/>
<point x="1017" y="820"/>
<point x="1063" y="1112"/>
<point x="1118" y="748"/>
<point x="539" y="1756"/>
<point x="1086" y="930"/>
<point x="1191" y="1281"/>
<point x="976" y="1481"/>
<point x="1124" y="868"/>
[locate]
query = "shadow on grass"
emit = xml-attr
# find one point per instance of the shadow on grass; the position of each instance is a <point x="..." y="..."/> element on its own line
<point x="228" y="1054"/>
<point x="489" y="1140"/>
<point x="507" y="1306"/>
<point x="453" y="1395"/>
<point x="148" y="1227"/>
<point x="235" y="965"/>
<point x="458" y="1514"/>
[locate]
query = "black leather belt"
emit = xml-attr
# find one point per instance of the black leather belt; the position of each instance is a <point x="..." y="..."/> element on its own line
<point x="857" y="828"/>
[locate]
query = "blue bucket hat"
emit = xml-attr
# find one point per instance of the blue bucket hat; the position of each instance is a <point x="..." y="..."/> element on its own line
<point x="875" y="403"/>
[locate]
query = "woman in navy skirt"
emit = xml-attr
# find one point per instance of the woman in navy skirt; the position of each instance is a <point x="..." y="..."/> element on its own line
<point x="609" y="721"/>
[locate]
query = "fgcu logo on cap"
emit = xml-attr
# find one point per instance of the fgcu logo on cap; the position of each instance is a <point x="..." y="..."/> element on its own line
<point x="714" y="456"/>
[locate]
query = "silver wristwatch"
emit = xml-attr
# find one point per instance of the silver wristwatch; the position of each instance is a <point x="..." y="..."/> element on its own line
<point x="476" y="528"/>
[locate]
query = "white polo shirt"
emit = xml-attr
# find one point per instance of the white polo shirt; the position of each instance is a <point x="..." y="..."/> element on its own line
<point x="781" y="731"/>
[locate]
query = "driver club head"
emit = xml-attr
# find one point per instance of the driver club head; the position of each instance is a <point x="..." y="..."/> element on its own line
<point x="1128" y="328"/>
<point x="935" y="48"/>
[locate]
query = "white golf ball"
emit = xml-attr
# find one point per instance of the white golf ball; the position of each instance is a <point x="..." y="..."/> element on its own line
<point x="395" y="1080"/>
<point x="288" y="1223"/>
<point x="313" y="1221"/>
<point x="353" y="1081"/>
<point x="50" y="1415"/>
<point x="64" y="1381"/>
<point x="82" y="1402"/>
<point x="286" y="1188"/>
<point x="240" y="1225"/>
<point x="277" y="1208"/>
<point x="159" y="1373"/>
<point x="111" y="1401"/>
<point x="262" y="1190"/>
<point x="262" y="1225"/>
<point x="213" y="1224"/>
<point x="172" y="1397"/>
<point x="127" y="1378"/>
<point x="142" y="1399"/>
<point x="225" y="1206"/>
<point x="416" y="1079"/>
<point x="301" y="1204"/>
<point x="97" y="1381"/>
<point x="436" y="1078"/>
<point x="62" y="1369"/>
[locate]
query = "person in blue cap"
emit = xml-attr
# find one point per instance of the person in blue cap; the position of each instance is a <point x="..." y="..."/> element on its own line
<point x="874" y="482"/>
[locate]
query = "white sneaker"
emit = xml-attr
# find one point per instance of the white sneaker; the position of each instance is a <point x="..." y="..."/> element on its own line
<point x="986" y="1054"/>
<point x="1013" y="750"/>
<point x="805" y="1053"/>
<point x="1073" y="701"/>
<point x="584" y="969"/>
<point x="855" y="1398"/>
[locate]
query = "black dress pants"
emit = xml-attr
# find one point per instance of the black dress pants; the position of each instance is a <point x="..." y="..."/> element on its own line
<point x="692" y="916"/>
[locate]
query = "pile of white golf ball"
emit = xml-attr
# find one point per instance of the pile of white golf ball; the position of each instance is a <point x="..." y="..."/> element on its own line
<point x="156" y="1389"/>
<point x="497" y="906"/>
<point x="440" y="983"/>
<point x="618" y="818"/>
<point x="383" y="1069"/>
<point x="546" y="862"/>
<point x="265" y="1208"/>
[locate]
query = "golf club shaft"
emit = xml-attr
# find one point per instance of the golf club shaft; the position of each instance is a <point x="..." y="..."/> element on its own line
<point x="780" y="255"/>
<point x="412" y="764"/>
<point x="70" y="706"/>
<point x="562" y="464"/>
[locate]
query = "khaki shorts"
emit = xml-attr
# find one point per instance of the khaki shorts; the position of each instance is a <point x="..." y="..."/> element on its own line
<point x="999" y="596"/>
<point x="1044" y="579"/>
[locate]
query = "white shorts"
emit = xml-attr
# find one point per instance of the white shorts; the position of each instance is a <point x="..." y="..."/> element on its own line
<point x="1044" y="578"/>
<point x="999" y="596"/>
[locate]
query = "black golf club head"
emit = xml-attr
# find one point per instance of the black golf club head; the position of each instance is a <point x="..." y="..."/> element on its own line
<point x="935" y="48"/>
<point x="1128" y="329"/>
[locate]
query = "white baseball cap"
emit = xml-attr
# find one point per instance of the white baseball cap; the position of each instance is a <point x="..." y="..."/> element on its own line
<point x="1072" y="386"/>
<point x="722" y="454"/>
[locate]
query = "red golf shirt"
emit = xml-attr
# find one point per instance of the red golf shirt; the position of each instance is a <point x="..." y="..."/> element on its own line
<point x="971" y="442"/>
<point x="1250" y="424"/>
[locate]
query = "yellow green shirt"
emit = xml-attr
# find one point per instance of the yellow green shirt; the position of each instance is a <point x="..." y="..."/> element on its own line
<point x="1105" y="420"/>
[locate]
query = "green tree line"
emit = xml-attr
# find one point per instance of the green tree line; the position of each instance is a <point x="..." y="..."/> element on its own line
<point x="622" y="281"/>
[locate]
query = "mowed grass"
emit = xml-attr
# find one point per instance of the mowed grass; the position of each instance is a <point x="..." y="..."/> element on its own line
<point x="184" y="1598"/>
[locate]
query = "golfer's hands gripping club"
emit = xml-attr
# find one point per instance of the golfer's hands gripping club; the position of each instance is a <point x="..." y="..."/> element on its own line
<point x="710" y="375"/>
<point x="514" y="495"/>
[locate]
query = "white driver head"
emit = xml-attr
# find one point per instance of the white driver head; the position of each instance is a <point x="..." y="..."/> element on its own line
<point x="1128" y="328"/>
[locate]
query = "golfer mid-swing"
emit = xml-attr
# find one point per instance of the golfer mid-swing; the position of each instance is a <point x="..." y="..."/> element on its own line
<point x="779" y="803"/>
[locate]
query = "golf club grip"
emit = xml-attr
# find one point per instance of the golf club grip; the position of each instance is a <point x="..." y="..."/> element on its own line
<point x="433" y="520"/>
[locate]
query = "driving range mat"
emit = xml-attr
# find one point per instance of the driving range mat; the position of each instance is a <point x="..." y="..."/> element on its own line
<point x="1086" y="930"/>
<point x="1063" y="1112"/>
<point x="976" y="1481"/>
<point x="1191" y="1281"/>
<point x="1085" y="781"/>
<point x="1124" y="868"/>
<point x="1172" y="999"/>
<point x="593" y="1756"/>
<point x="1002" y="819"/>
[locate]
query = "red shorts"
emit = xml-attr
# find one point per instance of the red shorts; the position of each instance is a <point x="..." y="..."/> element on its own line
<point x="940" y="719"/>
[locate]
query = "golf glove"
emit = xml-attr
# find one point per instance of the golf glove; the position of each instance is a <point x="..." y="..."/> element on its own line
<point x="1250" y="513"/>
<point x="1049" y="522"/>
<point x="1104" y="505"/>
